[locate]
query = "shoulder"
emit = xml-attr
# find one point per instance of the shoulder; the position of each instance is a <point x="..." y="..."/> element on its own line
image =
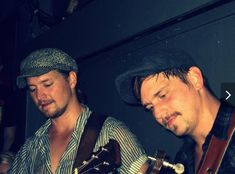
<point x="115" y="125"/>
<point x="132" y="153"/>
<point x="34" y="142"/>
<point x="29" y="144"/>
<point x="117" y="130"/>
<point x="22" y="156"/>
<point x="111" y="121"/>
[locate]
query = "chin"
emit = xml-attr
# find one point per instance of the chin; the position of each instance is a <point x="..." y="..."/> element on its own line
<point x="54" y="116"/>
<point x="178" y="132"/>
<point x="49" y="115"/>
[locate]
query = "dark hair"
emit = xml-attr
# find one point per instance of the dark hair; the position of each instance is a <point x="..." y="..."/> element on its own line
<point x="181" y="73"/>
<point x="80" y="95"/>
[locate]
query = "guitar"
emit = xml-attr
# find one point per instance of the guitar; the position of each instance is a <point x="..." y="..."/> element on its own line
<point x="216" y="151"/>
<point x="158" y="162"/>
<point x="106" y="159"/>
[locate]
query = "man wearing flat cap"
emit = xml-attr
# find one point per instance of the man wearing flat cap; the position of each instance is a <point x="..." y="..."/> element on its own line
<point x="51" y="77"/>
<point x="171" y="85"/>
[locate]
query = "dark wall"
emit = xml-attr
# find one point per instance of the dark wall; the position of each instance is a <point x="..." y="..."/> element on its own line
<point x="103" y="22"/>
<point x="104" y="51"/>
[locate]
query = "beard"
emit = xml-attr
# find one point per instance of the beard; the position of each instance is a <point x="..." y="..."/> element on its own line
<point x="54" y="114"/>
<point x="57" y="113"/>
<point x="172" y="128"/>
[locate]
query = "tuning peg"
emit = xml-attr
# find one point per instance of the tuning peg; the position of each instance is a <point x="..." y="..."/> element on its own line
<point x="178" y="168"/>
<point x="106" y="163"/>
<point x="104" y="149"/>
<point x="95" y="156"/>
<point x="85" y="162"/>
<point x="96" y="168"/>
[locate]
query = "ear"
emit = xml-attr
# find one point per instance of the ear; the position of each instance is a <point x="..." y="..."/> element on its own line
<point x="195" y="77"/>
<point x="72" y="79"/>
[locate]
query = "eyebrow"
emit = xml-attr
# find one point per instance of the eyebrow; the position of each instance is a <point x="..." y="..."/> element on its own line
<point x="45" y="80"/>
<point x="156" y="94"/>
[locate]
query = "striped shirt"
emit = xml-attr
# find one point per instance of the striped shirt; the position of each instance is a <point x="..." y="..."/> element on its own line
<point x="34" y="155"/>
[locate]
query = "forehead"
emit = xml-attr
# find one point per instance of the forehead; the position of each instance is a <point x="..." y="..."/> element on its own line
<point x="154" y="84"/>
<point x="155" y="80"/>
<point x="44" y="77"/>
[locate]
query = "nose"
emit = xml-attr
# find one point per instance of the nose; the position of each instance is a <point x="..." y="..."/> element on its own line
<point x="40" y="94"/>
<point x="159" y="113"/>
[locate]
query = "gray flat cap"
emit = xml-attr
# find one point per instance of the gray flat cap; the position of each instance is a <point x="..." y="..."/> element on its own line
<point x="43" y="61"/>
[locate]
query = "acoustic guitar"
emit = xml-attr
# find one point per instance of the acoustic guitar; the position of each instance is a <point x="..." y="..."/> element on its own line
<point x="106" y="159"/>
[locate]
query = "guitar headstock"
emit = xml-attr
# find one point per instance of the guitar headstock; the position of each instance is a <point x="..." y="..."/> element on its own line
<point x="159" y="163"/>
<point x="105" y="160"/>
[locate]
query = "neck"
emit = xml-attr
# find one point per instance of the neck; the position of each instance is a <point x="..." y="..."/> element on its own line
<point x="209" y="107"/>
<point x="69" y="118"/>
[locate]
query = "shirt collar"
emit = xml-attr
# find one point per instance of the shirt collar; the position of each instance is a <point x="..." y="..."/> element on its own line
<point x="82" y="119"/>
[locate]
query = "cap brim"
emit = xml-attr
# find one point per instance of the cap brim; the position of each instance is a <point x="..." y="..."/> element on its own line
<point x="125" y="87"/>
<point x="21" y="80"/>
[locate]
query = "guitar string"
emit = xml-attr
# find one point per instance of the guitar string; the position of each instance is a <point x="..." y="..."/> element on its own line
<point x="100" y="164"/>
<point x="89" y="161"/>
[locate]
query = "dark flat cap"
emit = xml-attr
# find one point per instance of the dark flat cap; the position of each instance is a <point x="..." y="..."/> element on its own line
<point x="43" y="61"/>
<point x="159" y="61"/>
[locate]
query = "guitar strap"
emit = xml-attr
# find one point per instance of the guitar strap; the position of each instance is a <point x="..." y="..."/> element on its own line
<point x="216" y="151"/>
<point x="89" y="137"/>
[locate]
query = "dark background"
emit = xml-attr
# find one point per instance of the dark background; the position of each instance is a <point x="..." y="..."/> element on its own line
<point x="107" y="36"/>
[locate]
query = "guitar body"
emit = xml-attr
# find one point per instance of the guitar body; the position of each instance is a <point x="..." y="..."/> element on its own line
<point x="106" y="159"/>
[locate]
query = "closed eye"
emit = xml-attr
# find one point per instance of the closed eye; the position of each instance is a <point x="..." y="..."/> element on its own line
<point x="48" y="84"/>
<point x="162" y="96"/>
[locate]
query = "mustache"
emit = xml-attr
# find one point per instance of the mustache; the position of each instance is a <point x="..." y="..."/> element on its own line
<point x="168" y="117"/>
<point x="45" y="102"/>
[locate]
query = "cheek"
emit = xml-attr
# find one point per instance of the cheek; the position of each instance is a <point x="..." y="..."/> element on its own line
<point x="62" y="94"/>
<point x="182" y="95"/>
<point x="184" y="102"/>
